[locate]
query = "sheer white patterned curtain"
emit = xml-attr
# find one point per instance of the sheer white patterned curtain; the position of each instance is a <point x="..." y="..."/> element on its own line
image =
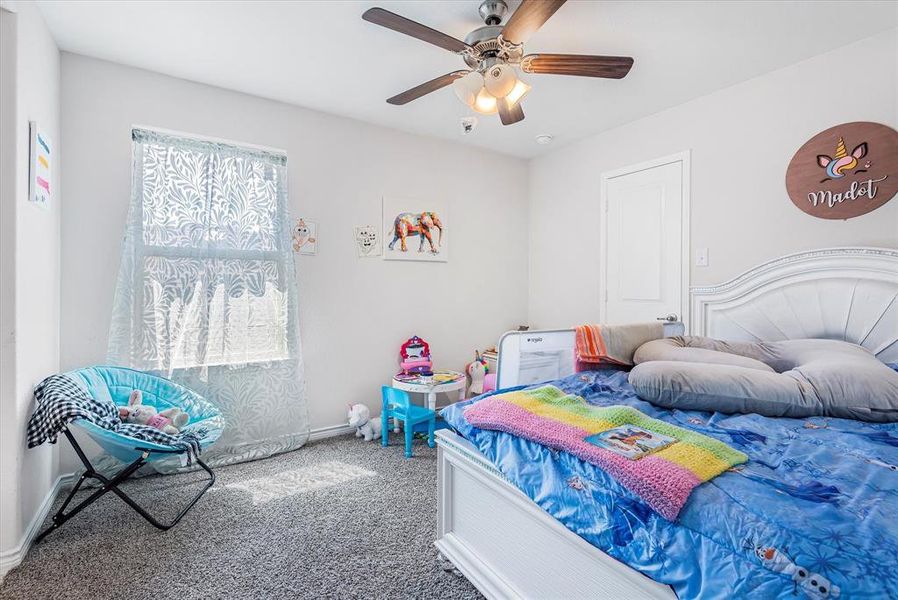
<point x="206" y="293"/>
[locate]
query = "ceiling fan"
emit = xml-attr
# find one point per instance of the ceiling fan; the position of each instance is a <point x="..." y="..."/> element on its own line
<point x="493" y="52"/>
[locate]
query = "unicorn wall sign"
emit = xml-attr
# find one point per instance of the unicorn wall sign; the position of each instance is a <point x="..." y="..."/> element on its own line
<point x="845" y="184"/>
<point x="842" y="163"/>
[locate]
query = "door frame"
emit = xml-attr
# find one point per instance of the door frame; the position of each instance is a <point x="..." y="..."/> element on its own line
<point x="684" y="158"/>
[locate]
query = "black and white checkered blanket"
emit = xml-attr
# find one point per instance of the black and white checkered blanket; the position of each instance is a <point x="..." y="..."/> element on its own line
<point x="62" y="399"/>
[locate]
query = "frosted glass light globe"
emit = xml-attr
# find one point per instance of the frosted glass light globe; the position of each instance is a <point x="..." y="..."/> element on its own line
<point x="467" y="87"/>
<point x="520" y="90"/>
<point x="485" y="103"/>
<point x="500" y="80"/>
<point x="463" y="93"/>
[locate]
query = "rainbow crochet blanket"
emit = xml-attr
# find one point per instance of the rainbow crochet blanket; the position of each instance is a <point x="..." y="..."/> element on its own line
<point x="550" y="417"/>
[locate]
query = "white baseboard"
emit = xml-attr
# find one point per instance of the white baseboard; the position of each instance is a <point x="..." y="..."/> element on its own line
<point x="9" y="559"/>
<point x="331" y="431"/>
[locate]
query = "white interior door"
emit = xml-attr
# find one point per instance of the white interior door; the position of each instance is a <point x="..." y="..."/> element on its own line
<point x="646" y="231"/>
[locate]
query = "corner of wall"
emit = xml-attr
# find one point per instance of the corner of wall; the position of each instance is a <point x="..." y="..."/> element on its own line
<point x="31" y="260"/>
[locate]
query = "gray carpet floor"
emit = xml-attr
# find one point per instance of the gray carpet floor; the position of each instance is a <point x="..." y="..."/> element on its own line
<point x="339" y="518"/>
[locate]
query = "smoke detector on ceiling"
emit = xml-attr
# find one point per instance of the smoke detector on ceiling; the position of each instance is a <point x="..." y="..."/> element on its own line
<point x="543" y="139"/>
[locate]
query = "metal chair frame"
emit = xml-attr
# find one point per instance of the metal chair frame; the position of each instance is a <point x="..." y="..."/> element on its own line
<point x="111" y="485"/>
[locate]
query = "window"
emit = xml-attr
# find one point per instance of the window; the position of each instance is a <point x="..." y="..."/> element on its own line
<point x="210" y="249"/>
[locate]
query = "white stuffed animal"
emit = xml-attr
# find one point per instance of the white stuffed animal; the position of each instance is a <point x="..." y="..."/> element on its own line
<point x="476" y="373"/>
<point x="360" y="418"/>
<point x="170" y="420"/>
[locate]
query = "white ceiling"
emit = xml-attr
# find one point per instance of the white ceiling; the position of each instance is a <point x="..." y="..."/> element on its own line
<point x="322" y="55"/>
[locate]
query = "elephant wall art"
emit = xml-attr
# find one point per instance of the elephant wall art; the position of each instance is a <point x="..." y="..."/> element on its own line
<point x="415" y="230"/>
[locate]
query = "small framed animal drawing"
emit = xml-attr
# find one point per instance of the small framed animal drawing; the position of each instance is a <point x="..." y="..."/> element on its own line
<point x="305" y="237"/>
<point x="415" y="230"/>
<point x="367" y="241"/>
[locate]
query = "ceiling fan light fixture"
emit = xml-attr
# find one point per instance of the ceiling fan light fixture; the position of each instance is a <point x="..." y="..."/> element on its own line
<point x="519" y="91"/>
<point x="485" y="103"/>
<point x="467" y="87"/>
<point x="494" y="55"/>
<point x="500" y="80"/>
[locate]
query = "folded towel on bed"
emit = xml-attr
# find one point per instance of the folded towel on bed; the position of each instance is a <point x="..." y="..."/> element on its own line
<point x="613" y="344"/>
<point x="550" y="417"/>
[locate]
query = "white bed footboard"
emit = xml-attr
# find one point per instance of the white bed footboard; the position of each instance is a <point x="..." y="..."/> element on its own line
<point x="508" y="547"/>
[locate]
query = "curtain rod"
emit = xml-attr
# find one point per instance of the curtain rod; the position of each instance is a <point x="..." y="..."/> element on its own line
<point x="205" y="138"/>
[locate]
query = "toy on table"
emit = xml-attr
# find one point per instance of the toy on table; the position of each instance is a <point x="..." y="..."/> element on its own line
<point x="441" y="377"/>
<point x="436" y="378"/>
<point x="360" y="418"/>
<point x="169" y="421"/>
<point x="415" y="357"/>
<point x="477" y="371"/>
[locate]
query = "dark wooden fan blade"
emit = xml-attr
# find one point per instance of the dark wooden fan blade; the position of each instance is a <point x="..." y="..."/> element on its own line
<point x="425" y="88"/>
<point x="385" y="18"/>
<point x="584" y="65"/>
<point x="530" y="16"/>
<point x="509" y="114"/>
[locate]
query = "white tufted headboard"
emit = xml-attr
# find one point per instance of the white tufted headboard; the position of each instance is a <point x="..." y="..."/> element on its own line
<point x="846" y="294"/>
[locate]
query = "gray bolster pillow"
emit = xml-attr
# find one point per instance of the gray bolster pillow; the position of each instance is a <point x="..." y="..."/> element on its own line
<point x="697" y="350"/>
<point x="794" y="378"/>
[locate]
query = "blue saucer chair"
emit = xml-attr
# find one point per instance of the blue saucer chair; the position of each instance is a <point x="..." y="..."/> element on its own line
<point x="116" y="384"/>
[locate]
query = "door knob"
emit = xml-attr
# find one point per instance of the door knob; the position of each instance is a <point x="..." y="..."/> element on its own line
<point x="670" y="318"/>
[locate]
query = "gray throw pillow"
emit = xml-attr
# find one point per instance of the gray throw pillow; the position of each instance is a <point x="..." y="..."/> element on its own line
<point x="804" y="378"/>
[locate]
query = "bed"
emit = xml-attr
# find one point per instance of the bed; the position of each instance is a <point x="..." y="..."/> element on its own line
<point x="812" y="514"/>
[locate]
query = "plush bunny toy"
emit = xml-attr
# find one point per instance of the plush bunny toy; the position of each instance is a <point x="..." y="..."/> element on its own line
<point x="360" y="418"/>
<point x="169" y="421"/>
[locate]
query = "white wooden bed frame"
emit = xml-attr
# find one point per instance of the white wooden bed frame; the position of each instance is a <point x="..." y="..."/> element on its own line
<point x="508" y="547"/>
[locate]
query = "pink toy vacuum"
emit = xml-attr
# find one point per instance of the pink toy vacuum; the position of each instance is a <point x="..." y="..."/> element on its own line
<point x="415" y="357"/>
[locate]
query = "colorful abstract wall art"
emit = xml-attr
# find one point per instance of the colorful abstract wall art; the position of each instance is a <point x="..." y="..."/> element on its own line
<point x="415" y="230"/>
<point x="40" y="165"/>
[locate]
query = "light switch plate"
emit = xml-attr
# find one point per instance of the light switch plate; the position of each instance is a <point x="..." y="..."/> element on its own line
<point x="701" y="257"/>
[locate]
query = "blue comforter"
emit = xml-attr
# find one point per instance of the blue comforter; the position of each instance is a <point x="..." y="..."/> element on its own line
<point x="813" y="514"/>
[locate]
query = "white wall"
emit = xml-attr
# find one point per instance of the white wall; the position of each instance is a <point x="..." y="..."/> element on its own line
<point x="30" y="270"/>
<point x="741" y="138"/>
<point x="9" y="444"/>
<point x="355" y="313"/>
